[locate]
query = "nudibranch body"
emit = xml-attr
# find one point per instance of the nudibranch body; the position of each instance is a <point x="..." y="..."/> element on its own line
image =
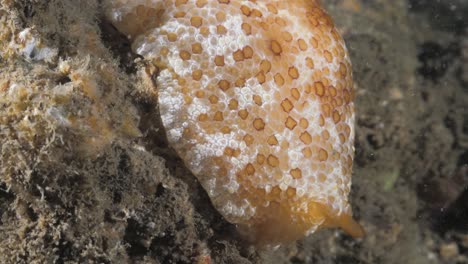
<point x="257" y="99"/>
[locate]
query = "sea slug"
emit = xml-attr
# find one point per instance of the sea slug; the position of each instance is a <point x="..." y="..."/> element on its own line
<point x="257" y="99"/>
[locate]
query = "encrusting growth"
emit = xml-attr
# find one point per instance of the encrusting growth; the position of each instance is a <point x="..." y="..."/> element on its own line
<point x="257" y="99"/>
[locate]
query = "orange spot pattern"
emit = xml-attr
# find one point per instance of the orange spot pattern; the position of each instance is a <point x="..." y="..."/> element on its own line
<point x="257" y="99"/>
